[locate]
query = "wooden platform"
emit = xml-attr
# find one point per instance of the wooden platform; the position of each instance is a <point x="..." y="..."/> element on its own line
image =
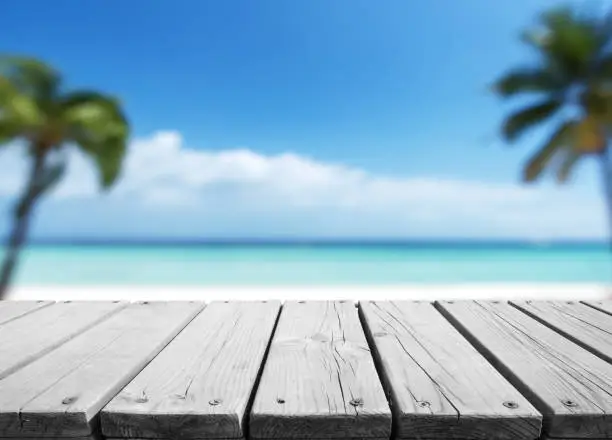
<point x="306" y="370"/>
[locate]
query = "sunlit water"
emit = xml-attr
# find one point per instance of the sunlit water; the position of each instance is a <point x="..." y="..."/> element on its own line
<point x="304" y="264"/>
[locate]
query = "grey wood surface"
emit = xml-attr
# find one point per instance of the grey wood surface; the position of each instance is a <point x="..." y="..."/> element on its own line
<point x="11" y="310"/>
<point x="61" y="394"/>
<point x="200" y="384"/>
<point x="570" y="386"/>
<point x="440" y="386"/>
<point x="582" y="324"/>
<point x="35" y="334"/>
<point x="319" y="380"/>
<point x="602" y="306"/>
<point x="213" y="438"/>
<point x="85" y="437"/>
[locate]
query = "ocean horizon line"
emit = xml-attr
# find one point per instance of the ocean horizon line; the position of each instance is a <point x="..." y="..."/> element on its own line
<point x="317" y="242"/>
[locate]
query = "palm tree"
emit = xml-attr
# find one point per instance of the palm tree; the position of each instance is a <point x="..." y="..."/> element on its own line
<point x="571" y="84"/>
<point x="35" y="109"/>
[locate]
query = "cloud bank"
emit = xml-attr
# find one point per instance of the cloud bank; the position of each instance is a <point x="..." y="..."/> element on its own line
<point x="168" y="189"/>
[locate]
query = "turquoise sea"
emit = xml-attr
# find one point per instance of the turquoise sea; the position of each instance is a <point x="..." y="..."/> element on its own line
<point x="313" y="263"/>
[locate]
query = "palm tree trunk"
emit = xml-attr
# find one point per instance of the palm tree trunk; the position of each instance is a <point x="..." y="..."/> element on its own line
<point x="606" y="174"/>
<point x="21" y="224"/>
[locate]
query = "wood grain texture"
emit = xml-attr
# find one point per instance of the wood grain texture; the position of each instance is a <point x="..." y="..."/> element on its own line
<point x="33" y="335"/>
<point x="440" y="386"/>
<point x="86" y="437"/>
<point x="584" y="325"/>
<point x="602" y="306"/>
<point x="11" y="310"/>
<point x="200" y="384"/>
<point x="60" y="394"/>
<point x="570" y="386"/>
<point x="319" y="381"/>
<point x="211" y="438"/>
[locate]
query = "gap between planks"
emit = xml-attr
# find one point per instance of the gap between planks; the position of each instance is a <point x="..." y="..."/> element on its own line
<point x="200" y="385"/>
<point x="567" y="383"/>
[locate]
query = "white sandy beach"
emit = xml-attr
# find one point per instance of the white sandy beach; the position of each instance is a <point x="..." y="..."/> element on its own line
<point x="576" y="292"/>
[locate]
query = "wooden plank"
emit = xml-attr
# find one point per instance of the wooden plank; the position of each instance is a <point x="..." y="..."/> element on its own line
<point x="602" y="306"/>
<point x="86" y="437"/>
<point x="320" y="380"/>
<point x="61" y="393"/>
<point x="11" y="310"/>
<point x="570" y="386"/>
<point x="584" y="325"/>
<point x="33" y="335"/>
<point x="199" y="386"/>
<point x="440" y="386"/>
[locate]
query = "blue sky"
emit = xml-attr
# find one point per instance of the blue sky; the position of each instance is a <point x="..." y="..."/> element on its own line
<point x="313" y="118"/>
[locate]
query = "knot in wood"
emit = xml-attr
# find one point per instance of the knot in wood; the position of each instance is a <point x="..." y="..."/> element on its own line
<point x="68" y="400"/>
<point x="510" y="404"/>
<point x="280" y="401"/>
<point x="569" y="403"/>
<point x="358" y="401"/>
<point x="424" y="404"/>
<point x="215" y="402"/>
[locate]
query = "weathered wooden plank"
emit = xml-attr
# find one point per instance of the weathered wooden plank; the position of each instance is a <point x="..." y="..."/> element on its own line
<point x="440" y="386"/>
<point x="211" y="438"/>
<point x="11" y="310"/>
<point x="570" y="386"/>
<point x="60" y="394"/>
<point x="584" y="325"/>
<point x="602" y="306"/>
<point x="86" y="437"/>
<point x="35" y="334"/>
<point x="319" y="380"/>
<point x="200" y="384"/>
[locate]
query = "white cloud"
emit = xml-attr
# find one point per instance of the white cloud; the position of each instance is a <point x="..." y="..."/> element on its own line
<point x="163" y="175"/>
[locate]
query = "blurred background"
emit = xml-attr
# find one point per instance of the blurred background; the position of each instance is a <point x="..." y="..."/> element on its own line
<point x="272" y="143"/>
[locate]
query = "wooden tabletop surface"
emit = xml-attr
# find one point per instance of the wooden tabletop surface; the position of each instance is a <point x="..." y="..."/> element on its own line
<point x="317" y="370"/>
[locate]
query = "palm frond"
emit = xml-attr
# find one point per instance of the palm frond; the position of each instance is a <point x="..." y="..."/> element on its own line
<point x="109" y="160"/>
<point x="589" y="136"/>
<point x="98" y="126"/>
<point x="560" y="140"/>
<point x="86" y="97"/>
<point x="8" y="131"/>
<point x="567" y="164"/>
<point x="574" y="40"/>
<point x="31" y="77"/>
<point x="19" y="114"/>
<point x="526" y="118"/>
<point x="527" y="80"/>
